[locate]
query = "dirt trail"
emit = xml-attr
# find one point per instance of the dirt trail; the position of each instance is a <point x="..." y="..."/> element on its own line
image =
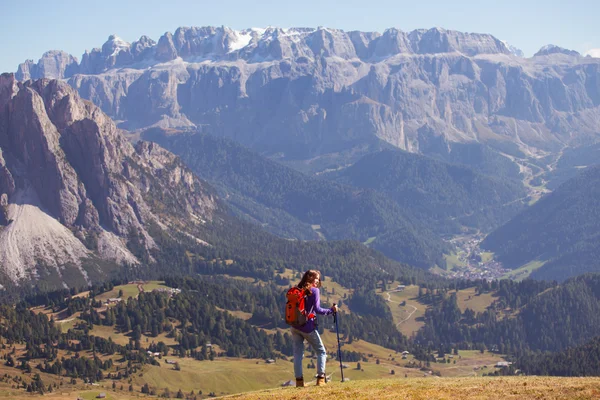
<point x="389" y="299"/>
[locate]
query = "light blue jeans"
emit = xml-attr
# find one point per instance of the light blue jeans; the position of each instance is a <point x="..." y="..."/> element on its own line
<point x="314" y="339"/>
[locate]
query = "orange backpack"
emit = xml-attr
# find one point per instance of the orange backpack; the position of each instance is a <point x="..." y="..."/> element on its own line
<point x="295" y="313"/>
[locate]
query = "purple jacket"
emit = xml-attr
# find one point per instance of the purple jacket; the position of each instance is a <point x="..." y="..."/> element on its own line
<point x="313" y="305"/>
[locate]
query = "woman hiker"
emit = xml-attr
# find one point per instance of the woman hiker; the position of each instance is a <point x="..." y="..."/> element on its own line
<point x="310" y="284"/>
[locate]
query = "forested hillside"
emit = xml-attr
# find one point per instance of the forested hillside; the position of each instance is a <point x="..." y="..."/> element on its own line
<point x="581" y="360"/>
<point x="561" y="228"/>
<point x="252" y="252"/>
<point x="291" y="204"/>
<point x="187" y="318"/>
<point x="483" y="159"/>
<point x="444" y="196"/>
<point x="570" y="164"/>
<point x="528" y="316"/>
<point x="106" y="333"/>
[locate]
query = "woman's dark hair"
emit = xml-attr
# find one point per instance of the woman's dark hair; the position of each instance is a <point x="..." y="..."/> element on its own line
<point x="309" y="278"/>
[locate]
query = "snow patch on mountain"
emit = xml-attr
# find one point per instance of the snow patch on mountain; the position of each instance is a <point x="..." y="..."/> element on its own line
<point x="240" y="40"/>
<point x="117" y="45"/>
<point x="553" y="49"/>
<point x="513" y="50"/>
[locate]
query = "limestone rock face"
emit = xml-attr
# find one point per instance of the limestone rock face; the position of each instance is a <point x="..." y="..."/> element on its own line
<point x="553" y="49"/>
<point x="66" y="170"/>
<point x="54" y="64"/>
<point x="305" y="92"/>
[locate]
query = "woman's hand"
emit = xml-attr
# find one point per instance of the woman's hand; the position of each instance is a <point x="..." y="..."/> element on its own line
<point x="335" y="308"/>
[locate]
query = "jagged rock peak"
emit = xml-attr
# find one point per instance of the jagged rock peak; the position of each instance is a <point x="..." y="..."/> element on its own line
<point x="114" y="45"/>
<point x="54" y="64"/>
<point x="271" y="43"/>
<point x="553" y="49"/>
<point x="73" y="187"/>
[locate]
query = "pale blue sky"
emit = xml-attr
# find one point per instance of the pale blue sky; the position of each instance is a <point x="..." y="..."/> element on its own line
<point x="28" y="29"/>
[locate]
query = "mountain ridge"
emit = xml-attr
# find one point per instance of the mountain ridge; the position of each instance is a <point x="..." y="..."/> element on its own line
<point x="320" y="93"/>
<point x="73" y="187"/>
<point x="257" y="44"/>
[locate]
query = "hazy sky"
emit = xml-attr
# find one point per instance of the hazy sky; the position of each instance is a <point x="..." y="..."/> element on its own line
<point x="28" y="29"/>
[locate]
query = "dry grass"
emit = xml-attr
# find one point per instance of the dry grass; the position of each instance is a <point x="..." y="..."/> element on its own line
<point x="405" y="324"/>
<point x="237" y="313"/>
<point x="129" y="290"/>
<point x="151" y="285"/>
<point x="221" y="376"/>
<point x="71" y="393"/>
<point x="333" y="292"/>
<point x="122" y="338"/>
<point x="443" y="388"/>
<point x="524" y="271"/>
<point x="467" y="298"/>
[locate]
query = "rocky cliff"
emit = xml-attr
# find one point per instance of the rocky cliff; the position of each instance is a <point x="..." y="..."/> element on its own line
<point x="301" y="93"/>
<point x="54" y="64"/>
<point x="73" y="188"/>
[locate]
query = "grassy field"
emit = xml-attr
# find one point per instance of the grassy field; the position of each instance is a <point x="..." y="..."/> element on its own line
<point x="408" y="317"/>
<point x="333" y="292"/>
<point x="238" y="314"/>
<point x="123" y="339"/>
<point x="72" y="393"/>
<point x="330" y="342"/>
<point x="467" y="298"/>
<point x="486" y="256"/>
<point x="523" y="272"/>
<point x="231" y="375"/>
<point x="129" y="290"/>
<point x="443" y="388"/>
<point x="151" y="285"/>
<point x="221" y="376"/>
<point x="397" y="387"/>
<point x="452" y="261"/>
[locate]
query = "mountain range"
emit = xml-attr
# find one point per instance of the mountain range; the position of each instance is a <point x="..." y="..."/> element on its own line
<point x="324" y="94"/>
<point x="326" y="102"/>
<point x="79" y="204"/>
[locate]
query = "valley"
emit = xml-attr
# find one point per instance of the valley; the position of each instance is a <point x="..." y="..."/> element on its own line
<point x="470" y="262"/>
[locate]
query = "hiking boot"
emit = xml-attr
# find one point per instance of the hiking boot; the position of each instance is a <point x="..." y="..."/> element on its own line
<point x="299" y="382"/>
<point x="321" y="381"/>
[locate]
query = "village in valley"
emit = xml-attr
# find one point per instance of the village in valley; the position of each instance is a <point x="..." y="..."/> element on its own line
<point x="470" y="262"/>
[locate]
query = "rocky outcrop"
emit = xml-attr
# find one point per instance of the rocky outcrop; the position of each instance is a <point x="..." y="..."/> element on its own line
<point x="7" y="188"/>
<point x="65" y="163"/>
<point x="553" y="49"/>
<point x="54" y="64"/>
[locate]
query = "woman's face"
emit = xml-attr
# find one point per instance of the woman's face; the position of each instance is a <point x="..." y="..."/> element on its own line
<point x="317" y="280"/>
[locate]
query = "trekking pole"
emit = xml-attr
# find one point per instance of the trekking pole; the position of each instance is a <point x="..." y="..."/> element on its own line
<point x="337" y="332"/>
